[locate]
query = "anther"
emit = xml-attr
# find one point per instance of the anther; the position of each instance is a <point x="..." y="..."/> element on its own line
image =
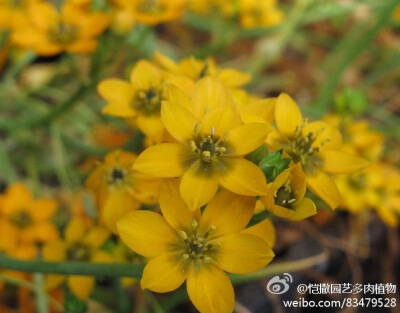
<point x="207" y="259"/>
<point x="291" y="201"/>
<point x="183" y="235"/>
<point x="206" y="156"/>
<point x="194" y="223"/>
<point x="212" y="131"/>
<point x="185" y="256"/>
<point x="197" y="128"/>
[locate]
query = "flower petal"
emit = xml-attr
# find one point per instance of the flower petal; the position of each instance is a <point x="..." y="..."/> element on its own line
<point x="120" y="109"/>
<point x="219" y="121"/>
<point x="75" y="230"/>
<point x="246" y="138"/>
<point x="147" y="233"/>
<point x="81" y="286"/>
<point x="198" y="187"/>
<point x="117" y="203"/>
<point x="43" y="209"/>
<point x="96" y="237"/>
<point x="232" y="78"/>
<point x="209" y="94"/>
<point x="304" y="209"/>
<point x="145" y="75"/>
<point x="265" y="230"/>
<point x="151" y="126"/>
<point x="287" y="115"/>
<point x="229" y="213"/>
<point x="243" y="177"/>
<point x="163" y="160"/>
<point x="243" y="253"/>
<point x="177" y="119"/>
<point x="116" y="90"/>
<point x="164" y="273"/>
<point x="54" y="251"/>
<point x="173" y="208"/>
<point x="338" y="162"/>
<point x="324" y="187"/>
<point x="210" y="289"/>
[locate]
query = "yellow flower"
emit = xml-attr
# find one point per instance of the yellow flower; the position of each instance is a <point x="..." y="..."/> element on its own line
<point x="13" y="13"/>
<point x="152" y="12"/>
<point x="385" y="197"/>
<point x="140" y="98"/>
<point x="27" y="220"/>
<point x="358" y="137"/>
<point x="211" y="145"/>
<point x="253" y="109"/>
<point x="259" y="13"/>
<point x="286" y="195"/>
<point x="183" y="245"/>
<point x="121" y="254"/>
<point x="315" y="146"/>
<point x="119" y="189"/>
<point x="50" y="32"/>
<point x="195" y="69"/>
<point x="356" y="190"/>
<point x="80" y="245"/>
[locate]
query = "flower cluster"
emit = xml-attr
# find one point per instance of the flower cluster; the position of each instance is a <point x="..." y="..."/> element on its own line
<point x="213" y="146"/>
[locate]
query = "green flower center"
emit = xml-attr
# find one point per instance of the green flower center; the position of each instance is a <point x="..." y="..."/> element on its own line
<point x="21" y="219"/>
<point x="78" y="252"/>
<point x="63" y="34"/>
<point x="118" y="176"/>
<point x="357" y="182"/>
<point x="209" y="146"/>
<point x="149" y="6"/>
<point x="285" y="196"/>
<point x="302" y="151"/>
<point x="198" y="247"/>
<point x="148" y="102"/>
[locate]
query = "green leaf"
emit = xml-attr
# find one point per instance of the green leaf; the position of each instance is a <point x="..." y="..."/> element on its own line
<point x="259" y="217"/>
<point x="73" y="304"/>
<point x="259" y="154"/>
<point x="351" y="101"/>
<point x="273" y="164"/>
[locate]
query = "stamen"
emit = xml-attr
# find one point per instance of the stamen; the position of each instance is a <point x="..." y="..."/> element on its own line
<point x="206" y="156"/>
<point x="207" y="259"/>
<point x="197" y="128"/>
<point x="291" y="201"/>
<point x="185" y="256"/>
<point x="194" y="223"/>
<point x="212" y="131"/>
<point x="183" y="235"/>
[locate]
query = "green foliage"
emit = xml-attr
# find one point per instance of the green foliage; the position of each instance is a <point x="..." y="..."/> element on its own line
<point x="351" y="101"/>
<point x="274" y="164"/>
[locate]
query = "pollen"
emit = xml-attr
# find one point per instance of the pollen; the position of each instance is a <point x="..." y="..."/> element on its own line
<point x="208" y="146"/>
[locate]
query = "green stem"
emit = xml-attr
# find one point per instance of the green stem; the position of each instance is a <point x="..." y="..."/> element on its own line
<point x="284" y="33"/>
<point x="135" y="270"/>
<point x="73" y="268"/>
<point x="59" y="160"/>
<point x="41" y="297"/>
<point x="28" y="285"/>
<point x="11" y="125"/>
<point x="350" y="48"/>
<point x="155" y="305"/>
<point x="123" y="303"/>
<point x="281" y="267"/>
<point x="6" y="167"/>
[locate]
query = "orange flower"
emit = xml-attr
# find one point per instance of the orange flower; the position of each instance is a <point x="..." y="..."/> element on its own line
<point x="119" y="189"/>
<point x="80" y="245"/>
<point x="27" y="220"/>
<point x="50" y="32"/>
<point x="152" y="12"/>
